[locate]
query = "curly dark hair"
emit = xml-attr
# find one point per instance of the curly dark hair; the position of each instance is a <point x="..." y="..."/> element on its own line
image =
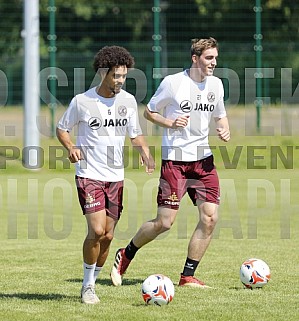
<point x="112" y="56"/>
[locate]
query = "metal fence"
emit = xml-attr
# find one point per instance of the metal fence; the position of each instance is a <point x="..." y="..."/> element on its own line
<point x="166" y="39"/>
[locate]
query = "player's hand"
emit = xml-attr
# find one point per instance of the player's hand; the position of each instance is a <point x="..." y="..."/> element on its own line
<point x="149" y="163"/>
<point x="180" y="122"/>
<point x="223" y="134"/>
<point x="75" y="154"/>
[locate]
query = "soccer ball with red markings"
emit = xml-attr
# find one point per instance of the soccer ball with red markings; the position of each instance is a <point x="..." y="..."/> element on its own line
<point x="157" y="289"/>
<point x="254" y="273"/>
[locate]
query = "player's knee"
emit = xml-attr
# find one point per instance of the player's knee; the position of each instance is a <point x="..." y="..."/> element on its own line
<point x="109" y="237"/>
<point x="210" y="224"/>
<point x="209" y="212"/>
<point x="166" y="226"/>
<point x="163" y="225"/>
<point x="98" y="232"/>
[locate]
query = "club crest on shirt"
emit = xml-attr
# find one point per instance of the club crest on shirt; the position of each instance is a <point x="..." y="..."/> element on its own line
<point x="94" y="123"/>
<point x="211" y="97"/>
<point x="122" y="111"/>
<point x="186" y="106"/>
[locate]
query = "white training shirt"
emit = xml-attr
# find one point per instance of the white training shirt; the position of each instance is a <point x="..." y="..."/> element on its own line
<point x="102" y="124"/>
<point x="179" y="95"/>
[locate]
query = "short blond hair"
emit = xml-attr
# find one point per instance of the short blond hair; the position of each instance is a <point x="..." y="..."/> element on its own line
<point x="199" y="45"/>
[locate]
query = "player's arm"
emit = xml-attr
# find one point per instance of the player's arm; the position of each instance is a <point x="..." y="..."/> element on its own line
<point x="65" y="139"/>
<point x="160" y="120"/>
<point x="222" y="128"/>
<point x="140" y="144"/>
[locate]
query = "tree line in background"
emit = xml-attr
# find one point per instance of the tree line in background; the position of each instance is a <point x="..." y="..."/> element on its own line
<point x="84" y="26"/>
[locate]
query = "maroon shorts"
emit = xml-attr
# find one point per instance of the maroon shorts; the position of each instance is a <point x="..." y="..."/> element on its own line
<point x="199" y="179"/>
<point x="96" y="195"/>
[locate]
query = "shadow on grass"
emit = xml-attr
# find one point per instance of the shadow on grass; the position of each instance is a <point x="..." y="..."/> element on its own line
<point x="238" y="288"/>
<point x="140" y="305"/>
<point x="108" y="282"/>
<point x="36" y="296"/>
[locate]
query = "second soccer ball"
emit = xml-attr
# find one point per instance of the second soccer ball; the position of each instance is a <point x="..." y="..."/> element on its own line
<point x="157" y="289"/>
<point x="254" y="273"/>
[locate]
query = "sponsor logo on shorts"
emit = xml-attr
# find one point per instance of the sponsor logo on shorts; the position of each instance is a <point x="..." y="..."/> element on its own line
<point x="92" y="205"/>
<point x="172" y="200"/>
<point x="89" y="199"/>
<point x="90" y="202"/>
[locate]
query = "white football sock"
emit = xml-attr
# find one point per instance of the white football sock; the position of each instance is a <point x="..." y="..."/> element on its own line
<point x="88" y="271"/>
<point x="97" y="270"/>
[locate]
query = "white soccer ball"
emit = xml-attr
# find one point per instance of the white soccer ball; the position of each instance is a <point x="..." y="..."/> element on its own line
<point x="157" y="289"/>
<point x="254" y="273"/>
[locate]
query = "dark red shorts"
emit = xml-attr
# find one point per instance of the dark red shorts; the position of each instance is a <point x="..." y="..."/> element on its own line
<point x="96" y="195"/>
<point x="199" y="179"/>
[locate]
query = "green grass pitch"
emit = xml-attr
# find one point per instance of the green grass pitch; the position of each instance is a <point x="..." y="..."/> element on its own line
<point x="42" y="230"/>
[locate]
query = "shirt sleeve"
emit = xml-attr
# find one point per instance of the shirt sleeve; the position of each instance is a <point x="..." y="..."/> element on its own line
<point x="220" y="111"/>
<point x="162" y="96"/>
<point x="70" y="118"/>
<point x="134" y="128"/>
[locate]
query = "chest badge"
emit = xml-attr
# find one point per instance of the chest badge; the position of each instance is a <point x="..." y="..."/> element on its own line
<point x="122" y="111"/>
<point x="211" y="97"/>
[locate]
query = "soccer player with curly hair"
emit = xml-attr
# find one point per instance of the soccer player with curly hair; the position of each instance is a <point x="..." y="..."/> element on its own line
<point x="103" y="115"/>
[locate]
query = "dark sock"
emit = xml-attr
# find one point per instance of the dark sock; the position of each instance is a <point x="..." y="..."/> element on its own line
<point x="131" y="250"/>
<point x="190" y="267"/>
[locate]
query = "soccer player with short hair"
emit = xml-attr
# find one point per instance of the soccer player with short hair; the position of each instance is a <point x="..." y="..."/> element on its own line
<point x="183" y="105"/>
<point x="104" y="115"/>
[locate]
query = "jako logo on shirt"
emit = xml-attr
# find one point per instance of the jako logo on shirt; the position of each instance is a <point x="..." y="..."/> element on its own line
<point x="94" y="123"/>
<point x="115" y="122"/>
<point x="186" y="106"/>
<point x="204" y="107"/>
